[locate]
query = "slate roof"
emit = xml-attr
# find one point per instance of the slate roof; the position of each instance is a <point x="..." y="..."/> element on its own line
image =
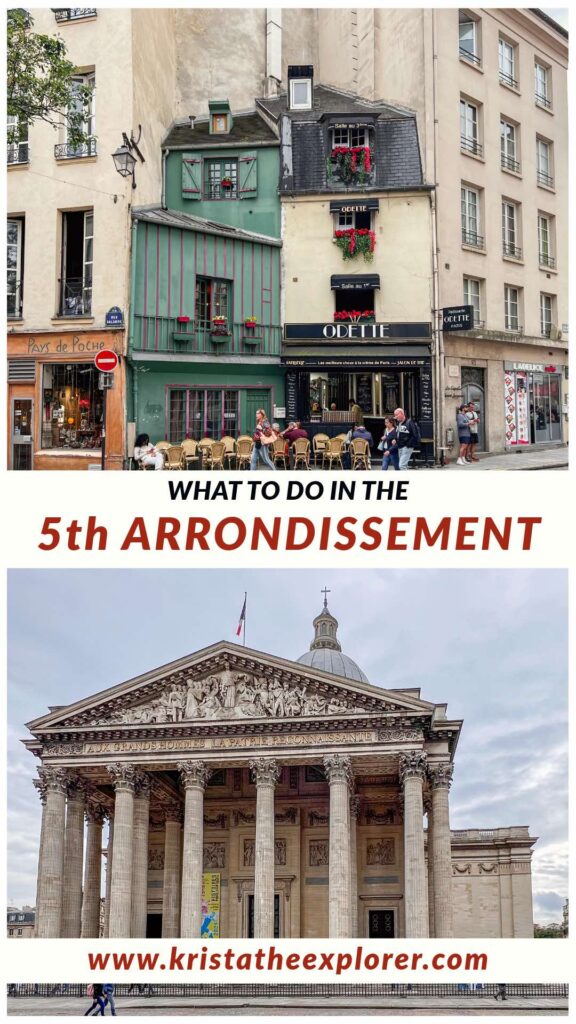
<point x="327" y="100"/>
<point x="183" y="221"/>
<point x="247" y="130"/>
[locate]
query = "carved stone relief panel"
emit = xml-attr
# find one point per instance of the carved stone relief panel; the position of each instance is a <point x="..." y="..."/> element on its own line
<point x="380" y="851"/>
<point x="214" y="856"/>
<point x="249" y="848"/>
<point x="156" y="858"/>
<point x="318" y="853"/>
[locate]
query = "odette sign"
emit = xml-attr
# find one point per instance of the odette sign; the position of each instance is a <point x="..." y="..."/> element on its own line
<point x="106" y="361"/>
<point x="354" y="331"/>
<point x="458" y="318"/>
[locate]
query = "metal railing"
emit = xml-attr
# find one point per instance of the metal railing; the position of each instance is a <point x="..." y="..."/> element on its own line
<point x="511" y="250"/>
<point x="74" y="13"/>
<point x="546" y="261"/>
<point x="470" y="145"/>
<point x="66" y="151"/>
<point x="166" y="334"/>
<point x="14" y="303"/>
<point x="507" y="79"/>
<point x="471" y="238"/>
<point x="516" y="328"/>
<point x="546" y="330"/>
<point x="472" y="57"/>
<point x="17" y="153"/>
<point x="545" y="179"/>
<point x="76" y="300"/>
<point x="542" y="101"/>
<point x="77" y="990"/>
<point x="509" y="163"/>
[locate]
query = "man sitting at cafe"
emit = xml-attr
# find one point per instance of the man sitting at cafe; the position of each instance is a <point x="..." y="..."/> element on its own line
<point x="294" y="431"/>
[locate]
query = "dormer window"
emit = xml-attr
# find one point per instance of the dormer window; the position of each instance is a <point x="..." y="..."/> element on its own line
<point x="219" y="123"/>
<point x="300" y="79"/>
<point x="351" y="148"/>
<point x="350" y="137"/>
<point x="220" y="120"/>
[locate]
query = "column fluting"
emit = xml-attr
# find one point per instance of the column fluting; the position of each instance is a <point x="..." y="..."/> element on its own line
<point x="109" y="855"/>
<point x="412" y="773"/>
<point x="172" y="871"/>
<point x="123" y="779"/>
<point x="73" y="859"/>
<point x="440" y="776"/>
<point x="51" y="862"/>
<point x="266" y="773"/>
<point x="95" y="815"/>
<point x="140" y="855"/>
<point x="354" y="813"/>
<point x="339" y="775"/>
<point x="194" y="775"/>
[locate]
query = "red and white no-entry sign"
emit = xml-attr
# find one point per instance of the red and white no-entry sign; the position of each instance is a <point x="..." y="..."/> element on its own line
<point x="106" y="361"/>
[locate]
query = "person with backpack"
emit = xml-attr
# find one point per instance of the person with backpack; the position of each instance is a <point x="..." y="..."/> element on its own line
<point x="408" y="437"/>
<point x="96" y="994"/>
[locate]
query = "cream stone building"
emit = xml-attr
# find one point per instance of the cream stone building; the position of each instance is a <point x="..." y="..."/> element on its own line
<point x="248" y="795"/>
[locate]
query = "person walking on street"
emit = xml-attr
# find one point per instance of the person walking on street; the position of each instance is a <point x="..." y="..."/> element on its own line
<point x="473" y="423"/>
<point x="97" y="996"/>
<point x="388" y="445"/>
<point x="263" y="437"/>
<point x="463" y="434"/>
<point x="407" y="438"/>
<point x="109" y="998"/>
<point x="501" y="993"/>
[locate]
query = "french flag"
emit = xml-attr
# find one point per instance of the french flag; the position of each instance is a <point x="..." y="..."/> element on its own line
<point x="242" y="617"/>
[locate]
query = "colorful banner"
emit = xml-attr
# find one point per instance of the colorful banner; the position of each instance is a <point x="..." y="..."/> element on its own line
<point x="210" y="905"/>
<point x="516" y="409"/>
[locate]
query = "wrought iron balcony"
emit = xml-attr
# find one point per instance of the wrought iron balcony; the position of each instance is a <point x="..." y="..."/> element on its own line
<point x="509" y="163"/>
<point x="545" y="330"/>
<point x="66" y="151"/>
<point x="14" y="301"/>
<point x="74" y="13"/>
<point x="17" y="153"/>
<point x="471" y="238"/>
<point x="470" y="145"/>
<point x="513" y="251"/>
<point x="545" y="260"/>
<point x="76" y="300"/>
<point x="472" y="57"/>
<point x="542" y="101"/>
<point x="545" y="179"/>
<point x="507" y="79"/>
<point x="513" y="325"/>
<point x="191" y="338"/>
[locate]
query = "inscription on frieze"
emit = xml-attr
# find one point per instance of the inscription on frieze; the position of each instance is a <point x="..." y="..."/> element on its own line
<point x="175" y="744"/>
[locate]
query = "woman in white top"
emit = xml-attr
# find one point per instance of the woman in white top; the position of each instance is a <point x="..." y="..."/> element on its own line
<point x="146" y="454"/>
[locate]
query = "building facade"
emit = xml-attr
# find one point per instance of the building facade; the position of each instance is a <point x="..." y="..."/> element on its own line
<point x="204" y="344"/>
<point x="20" y="923"/>
<point x="247" y="795"/>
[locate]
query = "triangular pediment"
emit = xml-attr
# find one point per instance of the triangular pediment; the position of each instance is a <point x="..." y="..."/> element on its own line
<point x="230" y="683"/>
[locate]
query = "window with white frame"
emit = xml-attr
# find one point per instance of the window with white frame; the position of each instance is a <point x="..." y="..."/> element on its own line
<point x="545" y="240"/>
<point x="472" y="296"/>
<point x="350" y="137"/>
<point x="300" y="94"/>
<point x="507" y="63"/>
<point x="471" y="216"/>
<point x="14" y="265"/>
<point x="83" y="110"/>
<point x="509" y="147"/>
<point x="546" y="306"/>
<point x="544" y="171"/>
<point x="469" y="37"/>
<point x="17" y="146"/>
<point x="221" y="179"/>
<point x="359" y="219"/>
<point x="511" y="308"/>
<point x="470" y="127"/>
<point x="77" y="263"/>
<point x="511" y="229"/>
<point x="542" y="90"/>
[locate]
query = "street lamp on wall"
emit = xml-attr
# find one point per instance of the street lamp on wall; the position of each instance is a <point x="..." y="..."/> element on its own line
<point x="123" y="157"/>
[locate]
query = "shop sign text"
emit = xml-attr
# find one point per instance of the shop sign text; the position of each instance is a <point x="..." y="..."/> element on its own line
<point x="355" y="331"/>
<point x="69" y="345"/>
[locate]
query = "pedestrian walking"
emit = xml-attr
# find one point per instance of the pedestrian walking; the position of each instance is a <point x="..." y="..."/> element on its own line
<point x="388" y="445"/>
<point x="463" y="434"/>
<point x="95" y="992"/>
<point x="407" y="437"/>
<point x="501" y="993"/>
<point x="473" y="423"/>
<point x="263" y="437"/>
<point x="108" y="991"/>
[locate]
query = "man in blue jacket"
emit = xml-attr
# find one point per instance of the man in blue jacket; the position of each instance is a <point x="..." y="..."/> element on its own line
<point x="407" y="438"/>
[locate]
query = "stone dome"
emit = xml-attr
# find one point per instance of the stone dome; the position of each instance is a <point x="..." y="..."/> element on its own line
<point x="325" y="651"/>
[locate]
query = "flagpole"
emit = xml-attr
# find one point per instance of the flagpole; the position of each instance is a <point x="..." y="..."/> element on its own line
<point x="244" y="623"/>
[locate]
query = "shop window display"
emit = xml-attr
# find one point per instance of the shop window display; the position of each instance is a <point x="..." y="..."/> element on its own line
<point x="72" y="406"/>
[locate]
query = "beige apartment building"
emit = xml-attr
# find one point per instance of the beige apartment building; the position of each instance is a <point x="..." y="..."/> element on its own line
<point x="69" y="238"/>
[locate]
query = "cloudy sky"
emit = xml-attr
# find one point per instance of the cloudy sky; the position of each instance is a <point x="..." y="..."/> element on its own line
<point x="492" y="644"/>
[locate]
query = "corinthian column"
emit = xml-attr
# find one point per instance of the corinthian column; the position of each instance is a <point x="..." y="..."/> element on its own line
<point x="140" y="856"/>
<point x="172" y="872"/>
<point x="92" y="872"/>
<point x="339" y="774"/>
<point x="123" y="779"/>
<point x="412" y="772"/>
<point x="51" y="862"/>
<point x="194" y="775"/>
<point x="354" y="812"/>
<point x="441" y="851"/>
<point x="109" y="853"/>
<point x="267" y="774"/>
<point x="430" y="816"/>
<point x="73" y="860"/>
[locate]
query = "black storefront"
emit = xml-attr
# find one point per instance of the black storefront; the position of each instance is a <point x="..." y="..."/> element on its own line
<point x="381" y="366"/>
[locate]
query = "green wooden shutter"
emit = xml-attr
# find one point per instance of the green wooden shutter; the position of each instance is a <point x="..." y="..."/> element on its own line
<point x="191" y="176"/>
<point x="248" y="175"/>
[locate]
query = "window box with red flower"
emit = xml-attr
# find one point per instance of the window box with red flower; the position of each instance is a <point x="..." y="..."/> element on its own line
<point x="220" y="327"/>
<point x="352" y="164"/>
<point x="354" y="242"/>
<point x="355" y="316"/>
<point x="227" y="184"/>
<point x="250" y="322"/>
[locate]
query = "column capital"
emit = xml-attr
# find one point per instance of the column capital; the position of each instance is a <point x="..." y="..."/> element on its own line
<point x="172" y="811"/>
<point x="95" y="813"/>
<point x="123" y="776"/>
<point x="355" y="807"/>
<point x="338" y="768"/>
<point x="76" y="788"/>
<point x="194" y="774"/>
<point x="142" y="785"/>
<point x="52" y="778"/>
<point x="412" y="765"/>
<point x="440" y="775"/>
<point x="266" y="771"/>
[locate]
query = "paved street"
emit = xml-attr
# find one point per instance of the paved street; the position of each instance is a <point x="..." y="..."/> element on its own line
<point x="551" y="458"/>
<point x="178" y="1006"/>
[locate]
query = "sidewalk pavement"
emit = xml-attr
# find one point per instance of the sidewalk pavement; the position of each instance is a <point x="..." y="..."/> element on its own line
<point x="549" y="458"/>
<point x="181" y="1006"/>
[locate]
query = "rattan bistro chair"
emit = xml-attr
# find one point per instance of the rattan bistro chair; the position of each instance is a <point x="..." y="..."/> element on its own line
<point x="359" y="453"/>
<point x="217" y="455"/>
<point x="279" y="453"/>
<point x="319" y="446"/>
<point x="333" y="453"/>
<point x="189" y="453"/>
<point x="301" y="450"/>
<point x="173" y="457"/>
<point x="243" y="452"/>
<point x="229" y="450"/>
<point x="205" y="449"/>
<point x="162" y="446"/>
